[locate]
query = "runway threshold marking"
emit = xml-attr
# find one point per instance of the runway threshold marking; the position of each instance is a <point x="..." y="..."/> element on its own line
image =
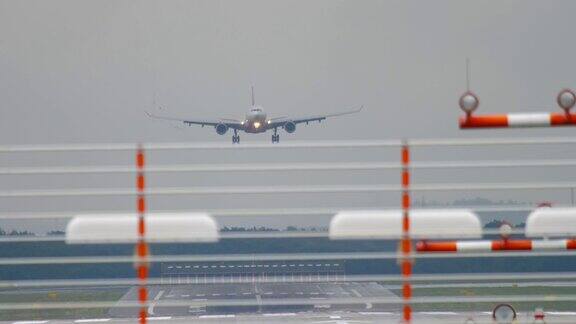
<point x="217" y="316"/>
<point x="359" y="295"/>
<point x="153" y="304"/>
<point x="376" y="313"/>
<point x="160" y="318"/>
<point x="356" y="293"/>
<point x="279" y="314"/>
<point x="92" y="320"/>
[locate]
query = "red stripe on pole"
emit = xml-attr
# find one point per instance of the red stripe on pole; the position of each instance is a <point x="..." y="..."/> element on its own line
<point x="142" y="249"/>
<point x="405" y="224"/>
<point x="405" y="155"/>
<point x="142" y="294"/>
<point x="406" y="246"/>
<point x="562" y="119"/>
<point x="516" y="245"/>
<point x="571" y="244"/>
<point x="407" y="291"/>
<point x="436" y="247"/>
<point x="405" y="200"/>
<point x="141" y="205"/>
<point x="485" y="121"/>
<point x="406" y="268"/>
<point x="143" y="314"/>
<point x="140" y="158"/>
<point x="142" y="272"/>
<point x="140" y="183"/>
<point x="405" y="178"/>
<point x="407" y="313"/>
<point x="141" y="227"/>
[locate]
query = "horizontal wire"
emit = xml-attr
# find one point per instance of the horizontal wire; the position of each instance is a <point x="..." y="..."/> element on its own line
<point x="265" y="167"/>
<point x="286" y="145"/>
<point x="451" y="277"/>
<point x="196" y="146"/>
<point x="241" y="190"/>
<point x="272" y="234"/>
<point x="291" y="301"/>
<point x="260" y="212"/>
<point x="274" y="257"/>
<point x="223" y="235"/>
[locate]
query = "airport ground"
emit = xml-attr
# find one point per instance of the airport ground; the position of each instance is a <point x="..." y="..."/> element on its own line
<point x="317" y="311"/>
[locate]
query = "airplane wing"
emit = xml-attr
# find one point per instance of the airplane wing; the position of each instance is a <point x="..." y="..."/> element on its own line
<point x="231" y="123"/>
<point x="279" y="122"/>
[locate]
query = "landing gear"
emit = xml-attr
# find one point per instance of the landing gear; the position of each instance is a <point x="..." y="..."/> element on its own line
<point x="276" y="136"/>
<point x="236" y="138"/>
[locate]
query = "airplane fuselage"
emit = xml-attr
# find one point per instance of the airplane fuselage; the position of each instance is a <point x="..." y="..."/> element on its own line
<point x="255" y="121"/>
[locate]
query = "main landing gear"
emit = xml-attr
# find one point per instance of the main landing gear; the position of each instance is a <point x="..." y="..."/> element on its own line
<point x="276" y="136"/>
<point x="236" y="138"/>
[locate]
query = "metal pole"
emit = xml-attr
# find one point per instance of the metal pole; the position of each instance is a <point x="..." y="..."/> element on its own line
<point x="405" y="243"/>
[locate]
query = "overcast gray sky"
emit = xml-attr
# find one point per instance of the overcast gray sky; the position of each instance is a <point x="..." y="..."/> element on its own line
<point x="85" y="71"/>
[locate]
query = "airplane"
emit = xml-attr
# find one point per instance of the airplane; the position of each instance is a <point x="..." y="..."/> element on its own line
<point x="255" y="121"/>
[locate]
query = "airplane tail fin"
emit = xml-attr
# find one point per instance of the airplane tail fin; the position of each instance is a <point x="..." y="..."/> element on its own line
<point x="252" y="93"/>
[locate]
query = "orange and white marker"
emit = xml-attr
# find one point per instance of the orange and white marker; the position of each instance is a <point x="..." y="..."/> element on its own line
<point x="498" y="245"/>
<point x="469" y="102"/>
<point x="518" y="120"/>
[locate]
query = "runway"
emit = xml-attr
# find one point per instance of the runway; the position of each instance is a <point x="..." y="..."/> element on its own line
<point x="257" y="296"/>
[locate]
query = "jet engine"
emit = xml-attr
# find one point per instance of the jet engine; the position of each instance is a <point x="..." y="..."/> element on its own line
<point x="290" y="127"/>
<point x="221" y="129"/>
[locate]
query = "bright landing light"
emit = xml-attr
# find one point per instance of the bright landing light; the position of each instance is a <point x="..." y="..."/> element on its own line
<point x="256" y="124"/>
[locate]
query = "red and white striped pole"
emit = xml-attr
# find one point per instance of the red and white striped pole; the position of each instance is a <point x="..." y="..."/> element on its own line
<point x="405" y="243"/>
<point x="497" y="245"/>
<point x="469" y="102"/>
<point x="142" y="251"/>
<point x="518" y="120"/>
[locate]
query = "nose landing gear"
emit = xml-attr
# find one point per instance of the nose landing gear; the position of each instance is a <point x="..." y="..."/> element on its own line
<point x="276" y="136"/>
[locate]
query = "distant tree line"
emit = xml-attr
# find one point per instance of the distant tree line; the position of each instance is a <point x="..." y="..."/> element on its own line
<point x="15" y="233"/>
